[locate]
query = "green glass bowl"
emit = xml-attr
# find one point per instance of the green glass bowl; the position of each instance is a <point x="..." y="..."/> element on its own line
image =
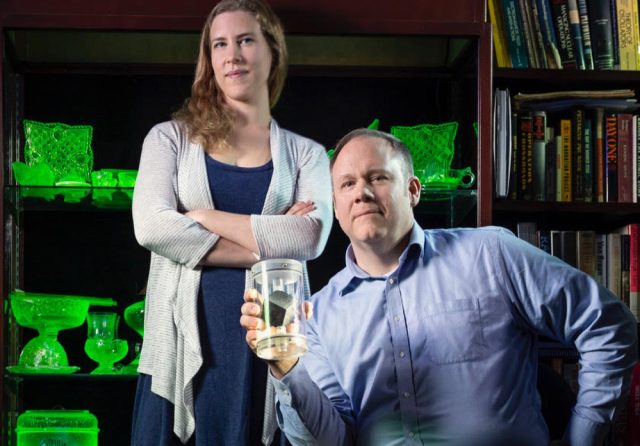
<point x="49" y="313"/>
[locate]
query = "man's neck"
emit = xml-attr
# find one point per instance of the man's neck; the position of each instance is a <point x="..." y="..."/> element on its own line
<point x="377" y="259"/>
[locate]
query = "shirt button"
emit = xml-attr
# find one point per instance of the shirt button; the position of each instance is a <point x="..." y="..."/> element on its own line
<point x="402" y="354"/>
<point x="411" y="434"/>
<point x="396" y="318"/>
<point x="391" y="281"/>
<point x="406" y="394"/>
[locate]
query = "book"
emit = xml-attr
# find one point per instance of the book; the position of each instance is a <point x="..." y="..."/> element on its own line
<point x="588" y="159"/>
<point x="614" y="259"/>
<point x="538" y="154"/>
<point x="622" y="93"/>
<point x="544" y="240"/>
<point x="636" y="157"/>
<point x="614" y="34"/>
<point x="583" y="11"/>
<point x="514" y="34"/>
<point x="569" y="247"/>
<point x="575" y="30"/>
<point x="502" y="141"/>
<point x="560" y="11"/>
<point x="624" y="268"/>
<point x="577" y="150"/>
<point x="526" y="230"/>
<point x="499" y="39"/>
<point x="601" y="33"/>
<point x="634" y="270"/>
<point x="626" y="46"/>
<point x="625" y="155"/>
<point x="550" y="169"/>
<point x="601" y="259"/>
<point x="611" y="182"/>
<point x="525" y="150"/>
<point x="515" y="157"/>
<point x="548" y="30"/>
<point x="536" y="30"/>
<point x="559" y="171"/>
<point x="566" y="192"/>
<point x="527" y="31"/>
<point x="600" y="158"/>
<point x="586" y="252"/>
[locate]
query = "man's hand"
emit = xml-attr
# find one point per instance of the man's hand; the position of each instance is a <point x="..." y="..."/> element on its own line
<point x="301" y="208"/>
<point x="251" y="320"/>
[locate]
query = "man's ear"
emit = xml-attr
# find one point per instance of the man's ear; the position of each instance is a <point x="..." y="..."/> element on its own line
<point x="415" y="188"/>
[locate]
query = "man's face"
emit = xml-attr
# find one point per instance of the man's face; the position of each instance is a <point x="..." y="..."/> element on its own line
<point x="372" y="195"/>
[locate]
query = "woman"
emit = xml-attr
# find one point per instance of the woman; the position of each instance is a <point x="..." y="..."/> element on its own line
<point x="219" y="187"/>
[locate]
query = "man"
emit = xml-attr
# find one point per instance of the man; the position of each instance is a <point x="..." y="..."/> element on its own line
<point x="429" y="337"/>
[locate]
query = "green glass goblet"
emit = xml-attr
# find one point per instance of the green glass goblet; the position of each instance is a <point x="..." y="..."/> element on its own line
<point x="101" y="345"/>
<point x="134" y="317"/>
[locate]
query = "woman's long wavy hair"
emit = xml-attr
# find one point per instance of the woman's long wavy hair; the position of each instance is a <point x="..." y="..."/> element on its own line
<point x="206" y="117"/>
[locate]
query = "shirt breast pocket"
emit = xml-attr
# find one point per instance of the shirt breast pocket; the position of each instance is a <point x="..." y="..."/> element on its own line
<point x="454" y="331"/>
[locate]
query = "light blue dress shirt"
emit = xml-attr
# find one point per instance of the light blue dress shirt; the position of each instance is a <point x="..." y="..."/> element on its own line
<point x="443" y="349"/>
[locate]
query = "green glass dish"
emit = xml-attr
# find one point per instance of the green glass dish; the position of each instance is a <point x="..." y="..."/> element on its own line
<point x="48" y="314"/>
<point x="57" y="427"/>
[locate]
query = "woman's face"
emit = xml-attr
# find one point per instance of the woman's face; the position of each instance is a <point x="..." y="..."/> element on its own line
<point x="240" y="57"/>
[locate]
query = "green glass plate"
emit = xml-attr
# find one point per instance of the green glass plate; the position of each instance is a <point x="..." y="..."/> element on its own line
<point x="66" y="370"/>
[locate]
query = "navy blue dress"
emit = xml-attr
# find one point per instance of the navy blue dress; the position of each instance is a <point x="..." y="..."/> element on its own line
<point x="229" y="388"/>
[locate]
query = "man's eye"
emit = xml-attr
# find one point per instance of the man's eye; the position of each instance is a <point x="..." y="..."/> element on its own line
<point x="347" y="184"/>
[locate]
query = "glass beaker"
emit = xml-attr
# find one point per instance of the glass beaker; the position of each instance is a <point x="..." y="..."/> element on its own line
<point x="280" y="289"/>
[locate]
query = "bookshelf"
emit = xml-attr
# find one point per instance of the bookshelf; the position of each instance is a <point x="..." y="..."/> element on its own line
<point x="105" y="62"/>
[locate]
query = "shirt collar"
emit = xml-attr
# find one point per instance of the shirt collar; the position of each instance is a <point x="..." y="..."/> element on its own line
<point x="354" y="275"/>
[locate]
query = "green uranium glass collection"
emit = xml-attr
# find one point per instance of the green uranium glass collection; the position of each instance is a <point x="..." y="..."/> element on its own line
<point x="51" y="313"/>
<point x="59" y="161"/>
<point x="48" y="314"/>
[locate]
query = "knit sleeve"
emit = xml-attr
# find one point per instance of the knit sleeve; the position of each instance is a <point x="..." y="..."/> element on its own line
<point x="300" y="237"/>
<point x="158" y="224"/>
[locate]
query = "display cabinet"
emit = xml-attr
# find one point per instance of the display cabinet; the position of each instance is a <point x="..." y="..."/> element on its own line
<point x="124" y="66"/>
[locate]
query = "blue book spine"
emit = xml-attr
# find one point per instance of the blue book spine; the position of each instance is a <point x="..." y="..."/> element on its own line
<point x="576" y="33"/>
<point x="601" y="33"/>
<point x="548" y="34"/>
<point x="586" y="34"/>
<point x="515" y="37"/>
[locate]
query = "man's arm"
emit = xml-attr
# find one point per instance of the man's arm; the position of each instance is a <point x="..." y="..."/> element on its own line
<point x="565" y="304"/>
<point x="307" y="414"/>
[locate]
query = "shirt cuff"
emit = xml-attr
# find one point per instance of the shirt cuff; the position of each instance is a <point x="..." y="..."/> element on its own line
<point x="583" y="431"/>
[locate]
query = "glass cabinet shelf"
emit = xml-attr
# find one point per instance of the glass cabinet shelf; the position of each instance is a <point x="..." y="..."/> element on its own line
<point x="68" y="198"/>
<point x="447" y="208"/>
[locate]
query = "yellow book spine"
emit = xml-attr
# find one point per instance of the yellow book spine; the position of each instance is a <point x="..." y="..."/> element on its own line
<point x="626" y="45"/>
<point x="635" y="15"/>
<point x="499" y="41"/>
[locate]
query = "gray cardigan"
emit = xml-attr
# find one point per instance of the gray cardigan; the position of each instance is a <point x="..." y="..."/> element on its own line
<point x="172" y="179"/>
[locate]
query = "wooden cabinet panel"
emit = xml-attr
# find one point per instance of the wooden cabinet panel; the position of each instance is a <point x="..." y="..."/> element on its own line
<point x="336" y="15"/>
